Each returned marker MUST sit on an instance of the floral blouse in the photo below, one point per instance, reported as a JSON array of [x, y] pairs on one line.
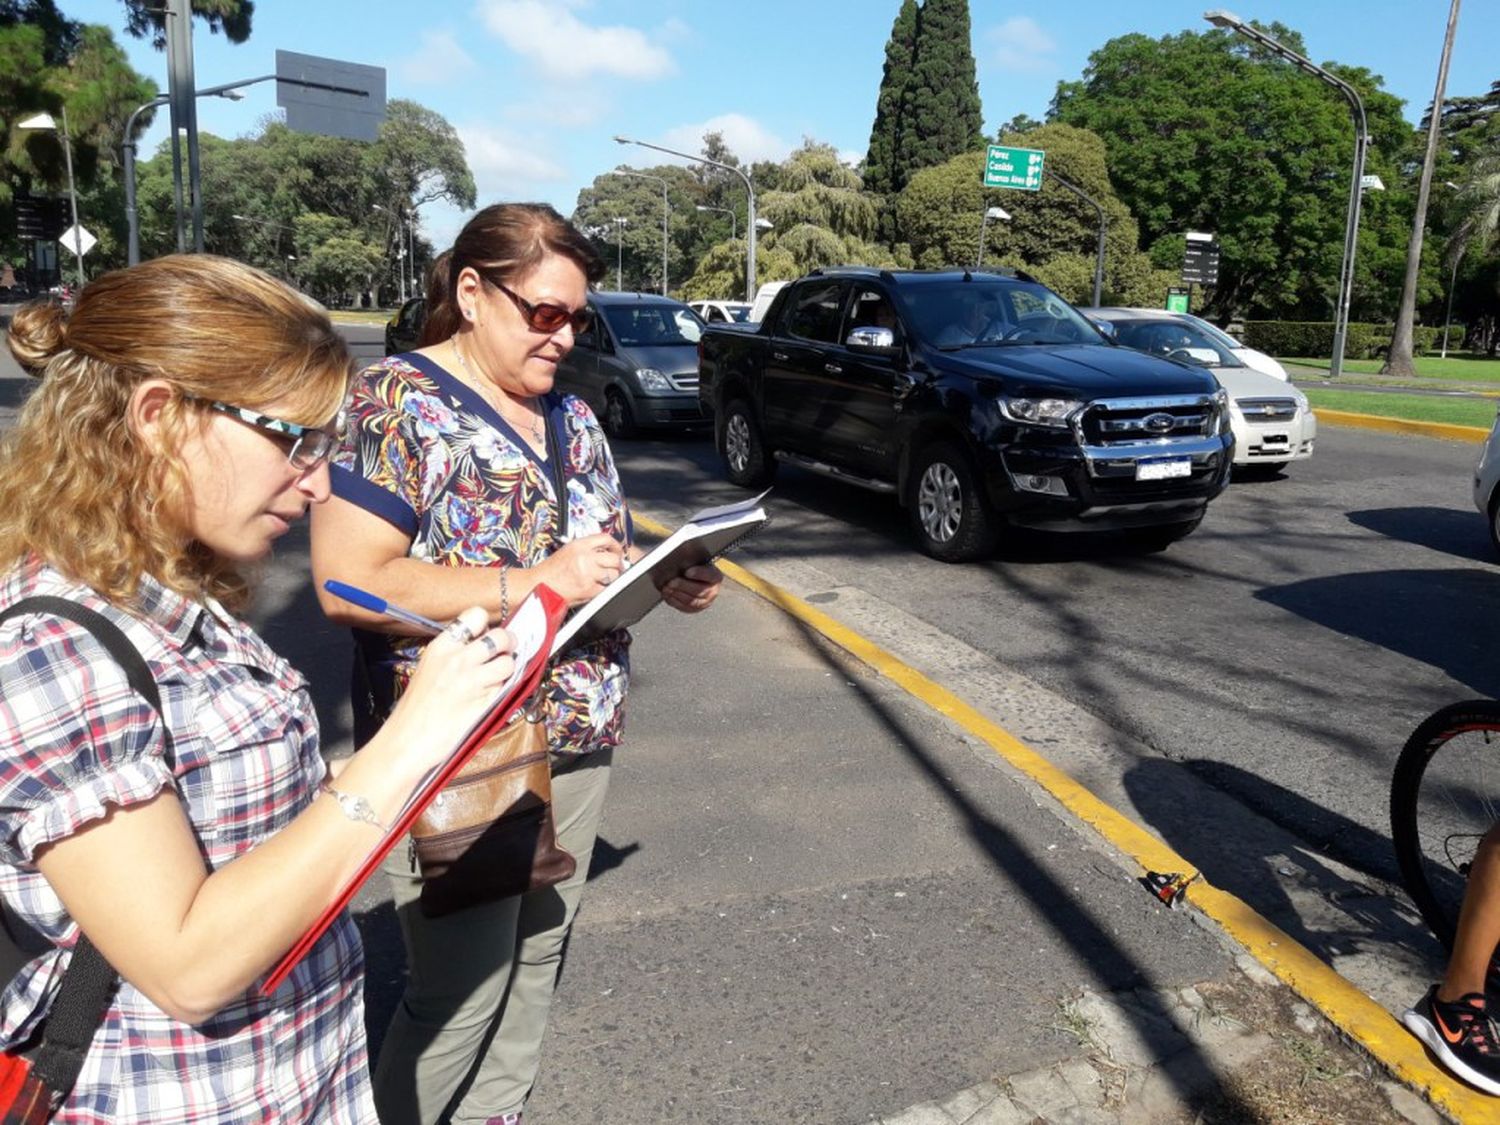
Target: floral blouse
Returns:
[[426, 453]]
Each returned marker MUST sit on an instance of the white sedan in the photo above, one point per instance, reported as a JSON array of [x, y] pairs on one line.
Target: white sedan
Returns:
[[1272, 421], [1487, 483]]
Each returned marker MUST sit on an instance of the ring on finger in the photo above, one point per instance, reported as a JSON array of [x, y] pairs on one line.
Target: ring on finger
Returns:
[[459, 631], [491, 649]]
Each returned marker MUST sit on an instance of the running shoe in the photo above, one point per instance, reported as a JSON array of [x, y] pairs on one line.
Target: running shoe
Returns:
[[1461, 1035]]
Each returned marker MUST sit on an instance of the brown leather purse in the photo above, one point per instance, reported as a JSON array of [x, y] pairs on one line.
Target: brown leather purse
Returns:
[[489, 833]]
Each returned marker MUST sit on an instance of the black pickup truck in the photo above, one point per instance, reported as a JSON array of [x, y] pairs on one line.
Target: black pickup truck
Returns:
[[979, 399]]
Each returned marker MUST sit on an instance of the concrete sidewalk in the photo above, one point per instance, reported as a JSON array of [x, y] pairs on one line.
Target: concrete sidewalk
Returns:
[[817, 900]]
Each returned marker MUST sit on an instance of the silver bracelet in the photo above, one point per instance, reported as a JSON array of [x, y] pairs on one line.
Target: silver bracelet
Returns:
[[504, 596], [352, 806]]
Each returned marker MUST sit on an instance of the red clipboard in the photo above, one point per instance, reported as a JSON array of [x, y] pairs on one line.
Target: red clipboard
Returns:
[[553, 607]]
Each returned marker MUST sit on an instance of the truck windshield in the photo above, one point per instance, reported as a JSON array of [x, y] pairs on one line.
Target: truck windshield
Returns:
[[654, 325], [989, 313]]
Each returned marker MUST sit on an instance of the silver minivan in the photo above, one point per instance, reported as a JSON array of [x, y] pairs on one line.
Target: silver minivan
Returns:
[[637, 365]]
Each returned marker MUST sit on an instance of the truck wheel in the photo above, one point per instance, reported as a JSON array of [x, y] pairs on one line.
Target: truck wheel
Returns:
[[747, 462], [619, 422], [950, 518], [1155, 539]]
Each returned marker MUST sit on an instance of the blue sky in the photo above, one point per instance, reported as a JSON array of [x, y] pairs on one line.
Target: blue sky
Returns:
[[536, 88]]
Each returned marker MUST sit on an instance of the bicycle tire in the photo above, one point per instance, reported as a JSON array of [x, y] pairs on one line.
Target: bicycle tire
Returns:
[[1445, 795]]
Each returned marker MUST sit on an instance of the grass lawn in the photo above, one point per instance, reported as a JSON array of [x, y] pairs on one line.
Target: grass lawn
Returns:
[[360, 316], [1417, 408], [1457, 369]]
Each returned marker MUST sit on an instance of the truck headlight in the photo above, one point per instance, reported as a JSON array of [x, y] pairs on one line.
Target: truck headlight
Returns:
[[1053, 412], [652, 380]]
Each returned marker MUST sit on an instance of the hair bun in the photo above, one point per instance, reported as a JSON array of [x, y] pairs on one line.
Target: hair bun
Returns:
[[38, 331]]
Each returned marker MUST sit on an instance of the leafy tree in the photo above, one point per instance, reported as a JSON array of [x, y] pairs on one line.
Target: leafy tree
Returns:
[[147, 19], [941, 111], [47, 64], [1020, 123], [1208, 132], [638, 200], [887, 133], [274, 180], [1049, 231], [820, 217], [813, 186]]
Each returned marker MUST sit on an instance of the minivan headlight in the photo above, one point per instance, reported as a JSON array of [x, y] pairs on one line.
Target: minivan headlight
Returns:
[[651, 379], [1039, 411]]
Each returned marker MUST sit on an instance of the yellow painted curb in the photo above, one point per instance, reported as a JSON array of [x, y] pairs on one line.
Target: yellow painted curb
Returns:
[[1401, 425], [1345, 1006]]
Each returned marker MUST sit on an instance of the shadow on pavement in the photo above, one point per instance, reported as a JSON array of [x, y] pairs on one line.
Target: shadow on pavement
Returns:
[[1071, 922], [1280, 884], [1458, 533], [1415, 613]]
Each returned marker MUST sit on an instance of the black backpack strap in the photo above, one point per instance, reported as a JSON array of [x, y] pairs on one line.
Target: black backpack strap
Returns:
[[89, 981]]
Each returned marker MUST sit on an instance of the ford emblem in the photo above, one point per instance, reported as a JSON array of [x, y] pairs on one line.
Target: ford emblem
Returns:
[[1159, 423]]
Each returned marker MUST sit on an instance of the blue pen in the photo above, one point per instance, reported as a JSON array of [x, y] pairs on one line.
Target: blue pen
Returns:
[[366, 600]]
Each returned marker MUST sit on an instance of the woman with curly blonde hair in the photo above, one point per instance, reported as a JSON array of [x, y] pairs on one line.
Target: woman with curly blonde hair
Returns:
[[182, 423]]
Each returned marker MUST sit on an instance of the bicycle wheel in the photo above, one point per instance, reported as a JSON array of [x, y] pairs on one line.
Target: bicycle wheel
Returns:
[[1445, 795]]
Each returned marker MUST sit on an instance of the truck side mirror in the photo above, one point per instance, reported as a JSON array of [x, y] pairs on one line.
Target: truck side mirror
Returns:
[[870, 338]]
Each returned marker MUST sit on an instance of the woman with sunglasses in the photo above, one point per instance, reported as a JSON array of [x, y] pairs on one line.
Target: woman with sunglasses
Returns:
[[464, 478], [182, 424]]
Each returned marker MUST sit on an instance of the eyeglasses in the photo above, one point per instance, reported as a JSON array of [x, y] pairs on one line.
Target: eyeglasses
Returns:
[[546, 317], [310, 446]]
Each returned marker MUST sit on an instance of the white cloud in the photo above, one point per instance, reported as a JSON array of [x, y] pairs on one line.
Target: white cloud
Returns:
[[1020, 44], [563, 46], [438, 59], [746, 138], [504, 164]]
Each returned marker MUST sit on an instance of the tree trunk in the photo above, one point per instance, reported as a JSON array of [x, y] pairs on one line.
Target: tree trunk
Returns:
[[1398, 360]]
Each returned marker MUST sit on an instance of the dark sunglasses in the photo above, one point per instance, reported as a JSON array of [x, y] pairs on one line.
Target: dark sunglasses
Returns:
[[546, 317]]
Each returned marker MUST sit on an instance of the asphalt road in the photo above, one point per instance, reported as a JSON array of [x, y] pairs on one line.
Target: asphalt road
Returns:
[[1243, 694]]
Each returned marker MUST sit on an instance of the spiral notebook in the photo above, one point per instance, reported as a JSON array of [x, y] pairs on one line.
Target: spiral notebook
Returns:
[[533, 627], [703, 538]]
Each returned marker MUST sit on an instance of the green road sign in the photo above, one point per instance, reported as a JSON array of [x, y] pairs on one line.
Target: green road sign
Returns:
[[1177, 300], [1013, 168]]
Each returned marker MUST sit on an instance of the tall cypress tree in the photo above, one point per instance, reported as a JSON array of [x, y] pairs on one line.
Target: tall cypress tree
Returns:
[[941, 115], [886, 133]]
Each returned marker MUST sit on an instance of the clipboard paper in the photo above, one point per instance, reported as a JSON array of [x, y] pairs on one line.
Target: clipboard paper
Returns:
[[534, 625], [703, 538]]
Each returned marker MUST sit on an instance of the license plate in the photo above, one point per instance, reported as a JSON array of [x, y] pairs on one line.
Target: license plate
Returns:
[[1164, 469], [1275, 439]]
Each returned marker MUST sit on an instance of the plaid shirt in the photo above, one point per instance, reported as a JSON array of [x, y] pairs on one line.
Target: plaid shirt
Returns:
[[244, 761]]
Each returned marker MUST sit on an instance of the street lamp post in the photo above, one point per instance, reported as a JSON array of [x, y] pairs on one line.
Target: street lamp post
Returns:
[[1231, 22], [750, 213], [620, 223], [999, 213], [1103, 229], [128, 145], [46, 121], [727, 210], [664, 213]]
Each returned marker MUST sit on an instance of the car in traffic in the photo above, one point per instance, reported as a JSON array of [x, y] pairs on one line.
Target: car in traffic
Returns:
[[637, 363], [1487, 483], [980, 401], [1273, 423], [1247, 355], [721, 312], [403, 332]]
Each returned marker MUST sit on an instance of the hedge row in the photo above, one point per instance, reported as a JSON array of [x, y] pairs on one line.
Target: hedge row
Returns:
[[1364, 341]]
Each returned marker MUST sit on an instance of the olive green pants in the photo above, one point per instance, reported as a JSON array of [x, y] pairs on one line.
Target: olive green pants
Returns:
[[466, 1040]]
